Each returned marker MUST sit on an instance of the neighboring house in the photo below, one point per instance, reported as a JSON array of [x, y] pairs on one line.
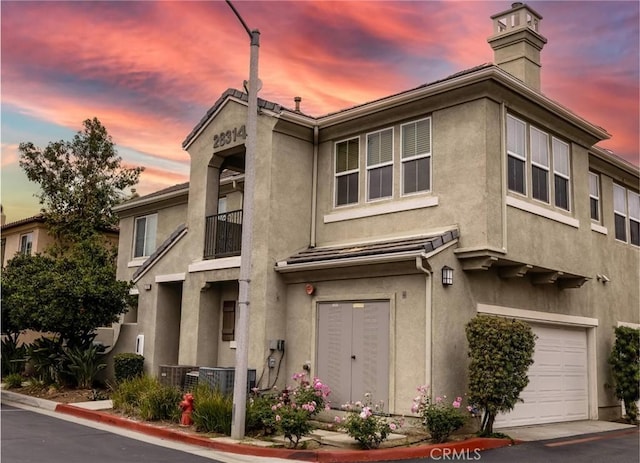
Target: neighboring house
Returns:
[[381, 230], [25, 236]]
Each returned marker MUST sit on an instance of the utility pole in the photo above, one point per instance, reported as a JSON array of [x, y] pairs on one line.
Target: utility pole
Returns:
[[242, 339]]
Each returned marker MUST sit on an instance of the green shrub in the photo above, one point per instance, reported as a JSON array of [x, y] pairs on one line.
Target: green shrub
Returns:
[[13, 355], [501, 351], [13, 380], [128, 394], [160, 403], [625, 368], [440, 417], [47, 357], [212, 410], [260, 416], [366, 424], [127, 365], [84, 364]]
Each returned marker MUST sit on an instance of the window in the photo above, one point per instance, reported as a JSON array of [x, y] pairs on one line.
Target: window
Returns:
[[594, 196], [561, 173], [547, 154], [228, 320], [634, 217], [416, 156], [26, 243], [380, 164], [626, 205], [539, 165], [516, 154], [145, 235], [347, 171]]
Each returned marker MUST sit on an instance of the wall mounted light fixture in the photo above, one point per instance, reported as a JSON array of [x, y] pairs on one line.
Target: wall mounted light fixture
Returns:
[[447, 276], [147, 286]]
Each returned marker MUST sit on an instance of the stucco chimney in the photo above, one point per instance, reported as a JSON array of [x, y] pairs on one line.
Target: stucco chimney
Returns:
[[517, 42], [3, 217]]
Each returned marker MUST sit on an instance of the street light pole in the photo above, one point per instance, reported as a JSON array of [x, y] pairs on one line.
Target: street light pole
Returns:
[[242, 339]]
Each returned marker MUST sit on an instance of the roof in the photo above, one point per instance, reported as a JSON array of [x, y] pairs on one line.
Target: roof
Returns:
[[159, 252], [229, 93], [399, 248], [38, 218]]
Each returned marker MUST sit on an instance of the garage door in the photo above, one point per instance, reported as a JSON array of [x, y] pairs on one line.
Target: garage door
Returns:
[[557, 389]]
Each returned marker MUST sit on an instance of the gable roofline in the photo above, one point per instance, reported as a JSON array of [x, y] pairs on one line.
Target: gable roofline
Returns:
[[157, 196], [611, 158], [38, 218]]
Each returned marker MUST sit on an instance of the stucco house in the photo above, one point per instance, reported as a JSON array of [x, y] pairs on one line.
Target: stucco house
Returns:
[[382, 229]]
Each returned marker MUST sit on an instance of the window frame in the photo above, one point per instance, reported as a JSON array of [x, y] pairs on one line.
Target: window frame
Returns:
[[416, 157], [558, 173], [146, 217], [544, 168], [380, 165], [621, 213], [345, 173], [26, 243], [518, 156], [596, 198]]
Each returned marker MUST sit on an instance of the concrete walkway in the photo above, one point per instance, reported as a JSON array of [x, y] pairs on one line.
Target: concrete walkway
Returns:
[[560, 430]]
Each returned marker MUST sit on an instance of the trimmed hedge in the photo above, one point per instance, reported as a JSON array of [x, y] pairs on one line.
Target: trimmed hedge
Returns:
[[128, 366]]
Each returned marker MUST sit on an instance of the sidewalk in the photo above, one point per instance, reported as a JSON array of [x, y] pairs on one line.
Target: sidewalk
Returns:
[[251, 447]]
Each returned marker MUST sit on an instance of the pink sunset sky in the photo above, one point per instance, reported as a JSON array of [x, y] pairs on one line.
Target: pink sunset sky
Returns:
[[150, 70]]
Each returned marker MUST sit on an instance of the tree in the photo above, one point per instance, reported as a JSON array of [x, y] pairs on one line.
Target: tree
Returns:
[[501, 351], [625, 367], [80, 181], [70, 295]]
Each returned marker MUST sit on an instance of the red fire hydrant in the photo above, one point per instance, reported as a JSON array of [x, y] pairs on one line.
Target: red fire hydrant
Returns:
[[187, 409]]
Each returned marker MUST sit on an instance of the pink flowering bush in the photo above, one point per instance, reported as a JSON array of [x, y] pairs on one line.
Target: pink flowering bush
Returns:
[[440, 417], [365, 424], [294, 408]]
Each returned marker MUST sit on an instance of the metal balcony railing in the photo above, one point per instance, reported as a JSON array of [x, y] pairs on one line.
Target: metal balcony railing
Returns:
[[223, 235]]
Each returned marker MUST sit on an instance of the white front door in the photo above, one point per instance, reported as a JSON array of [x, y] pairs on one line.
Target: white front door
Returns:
[[558, 386]]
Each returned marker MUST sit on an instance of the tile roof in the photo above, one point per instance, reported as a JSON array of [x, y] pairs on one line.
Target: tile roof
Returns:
[[420, 244], [34, 218]]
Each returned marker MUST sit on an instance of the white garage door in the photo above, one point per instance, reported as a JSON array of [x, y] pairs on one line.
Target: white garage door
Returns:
[[558, 387]]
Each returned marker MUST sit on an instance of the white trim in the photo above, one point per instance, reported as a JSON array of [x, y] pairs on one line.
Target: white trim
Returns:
[[629, 325], [134, 291], [534, 315], [379, 209], [541, 211], [170, 277], [136, 262], [215, 264], [599, 228]]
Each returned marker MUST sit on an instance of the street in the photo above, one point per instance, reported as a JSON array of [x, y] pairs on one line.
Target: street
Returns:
[[34, 437]]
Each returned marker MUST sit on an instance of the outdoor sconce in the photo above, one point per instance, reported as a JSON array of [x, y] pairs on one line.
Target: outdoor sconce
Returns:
[[447, 276], [147, 287]]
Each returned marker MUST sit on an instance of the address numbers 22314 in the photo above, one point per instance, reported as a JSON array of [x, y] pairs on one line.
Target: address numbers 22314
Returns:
[[230, 136]]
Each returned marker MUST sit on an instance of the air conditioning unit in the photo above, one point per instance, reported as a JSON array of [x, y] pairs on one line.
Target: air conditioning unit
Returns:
[[223, 378], [174, 375], [191, 381]]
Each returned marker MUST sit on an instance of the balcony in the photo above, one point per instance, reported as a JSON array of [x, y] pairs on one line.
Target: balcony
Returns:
[[223, 235]]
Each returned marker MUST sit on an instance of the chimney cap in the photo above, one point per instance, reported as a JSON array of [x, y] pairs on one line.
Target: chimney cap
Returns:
[[517, 4]]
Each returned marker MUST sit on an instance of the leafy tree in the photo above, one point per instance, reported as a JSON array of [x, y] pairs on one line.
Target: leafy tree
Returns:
[[80, 181], [501, 351], [70, 295], [625, 366]]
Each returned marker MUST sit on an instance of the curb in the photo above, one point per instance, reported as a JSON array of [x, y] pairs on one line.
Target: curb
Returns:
[[468, 448], [29, 400]]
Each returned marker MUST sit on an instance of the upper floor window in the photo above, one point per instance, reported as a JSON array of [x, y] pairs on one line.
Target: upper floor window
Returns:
[[380, 164], [547, 154], [626, 213], [416, 156], [517, 155], [347, 171], [145, 235], [26, 243], [594, 196]]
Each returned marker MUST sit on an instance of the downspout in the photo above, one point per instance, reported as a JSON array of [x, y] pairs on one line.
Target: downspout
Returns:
[[428, 328], [314, 188]]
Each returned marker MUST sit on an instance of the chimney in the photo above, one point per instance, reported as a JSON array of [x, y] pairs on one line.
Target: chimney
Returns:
[[297, 101], [3, 217], [517, 42]]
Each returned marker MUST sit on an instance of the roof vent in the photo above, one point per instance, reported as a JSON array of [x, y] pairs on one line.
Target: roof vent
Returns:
[[297, 100]]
